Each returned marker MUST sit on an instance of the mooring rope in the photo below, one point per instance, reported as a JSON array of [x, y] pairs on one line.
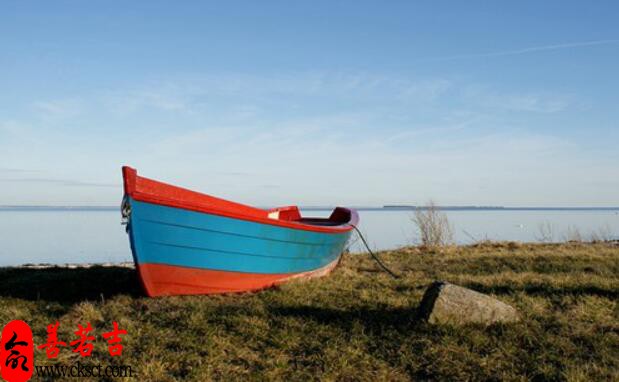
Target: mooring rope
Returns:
[[374, 256]]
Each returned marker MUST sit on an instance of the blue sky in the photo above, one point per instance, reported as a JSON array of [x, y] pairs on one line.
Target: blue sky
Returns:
[[315, 103]]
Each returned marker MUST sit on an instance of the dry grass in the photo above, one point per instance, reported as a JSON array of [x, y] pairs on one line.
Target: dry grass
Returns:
[[434, 228], [357, 324]]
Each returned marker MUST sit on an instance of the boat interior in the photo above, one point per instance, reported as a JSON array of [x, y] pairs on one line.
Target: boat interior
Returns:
[[339, 216]]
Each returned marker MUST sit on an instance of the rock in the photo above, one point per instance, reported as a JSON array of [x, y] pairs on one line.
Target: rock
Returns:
[[445, 303]]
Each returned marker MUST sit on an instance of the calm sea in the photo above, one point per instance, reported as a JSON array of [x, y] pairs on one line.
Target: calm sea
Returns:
[[88, 235]]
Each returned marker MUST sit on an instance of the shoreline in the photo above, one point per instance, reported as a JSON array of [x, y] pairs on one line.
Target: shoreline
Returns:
[[122, 264], [491, 243]]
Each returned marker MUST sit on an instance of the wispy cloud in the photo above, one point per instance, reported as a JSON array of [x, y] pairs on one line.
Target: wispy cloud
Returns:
[[528, 50], [536, 103], [308, 138], [164, 99], [437, 130], [232, 173], [60, 108], [339, 167], [62, 182], [532, 101], [249, 92], [16, 170]]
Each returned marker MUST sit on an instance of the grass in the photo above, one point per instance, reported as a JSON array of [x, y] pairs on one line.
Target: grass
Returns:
[[356, 324]]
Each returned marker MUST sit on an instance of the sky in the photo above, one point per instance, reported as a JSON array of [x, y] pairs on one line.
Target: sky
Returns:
[[312, 103]]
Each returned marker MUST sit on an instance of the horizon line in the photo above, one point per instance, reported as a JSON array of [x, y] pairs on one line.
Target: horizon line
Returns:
[[387, 207]]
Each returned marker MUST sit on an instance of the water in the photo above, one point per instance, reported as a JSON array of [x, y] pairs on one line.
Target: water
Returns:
[[79, 236]]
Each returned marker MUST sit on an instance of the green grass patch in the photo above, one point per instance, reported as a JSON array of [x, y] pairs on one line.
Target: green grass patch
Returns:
[[356, 324]]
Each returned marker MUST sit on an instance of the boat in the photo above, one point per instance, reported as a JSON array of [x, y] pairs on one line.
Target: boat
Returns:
[[185, 242]]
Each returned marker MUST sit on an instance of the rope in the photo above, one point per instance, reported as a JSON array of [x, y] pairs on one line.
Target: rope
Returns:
[[374, 256]]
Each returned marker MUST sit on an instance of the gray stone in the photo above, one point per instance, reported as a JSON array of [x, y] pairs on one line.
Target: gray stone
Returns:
[[445, 303]]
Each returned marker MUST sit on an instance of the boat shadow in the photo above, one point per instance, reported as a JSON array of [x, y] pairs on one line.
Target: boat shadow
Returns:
[[66, 285], [384, 328], [374, 319]]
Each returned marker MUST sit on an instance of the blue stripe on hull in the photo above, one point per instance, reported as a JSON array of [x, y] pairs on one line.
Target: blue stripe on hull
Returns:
[[167, 235]]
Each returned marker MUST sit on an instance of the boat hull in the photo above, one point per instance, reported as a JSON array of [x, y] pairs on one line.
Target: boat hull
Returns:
[[180, 251], [168, 280]]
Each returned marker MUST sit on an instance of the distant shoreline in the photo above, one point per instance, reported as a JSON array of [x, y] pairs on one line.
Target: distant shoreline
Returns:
[[327, 208]]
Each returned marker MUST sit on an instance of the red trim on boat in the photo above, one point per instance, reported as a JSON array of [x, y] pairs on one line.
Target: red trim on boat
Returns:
[[152, 191], [168, 280]]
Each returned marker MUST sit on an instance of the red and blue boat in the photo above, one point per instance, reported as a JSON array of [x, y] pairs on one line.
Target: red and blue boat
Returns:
[[186, 242]]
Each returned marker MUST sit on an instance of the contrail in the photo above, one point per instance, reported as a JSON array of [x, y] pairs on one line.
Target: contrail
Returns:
[[522, 51]]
